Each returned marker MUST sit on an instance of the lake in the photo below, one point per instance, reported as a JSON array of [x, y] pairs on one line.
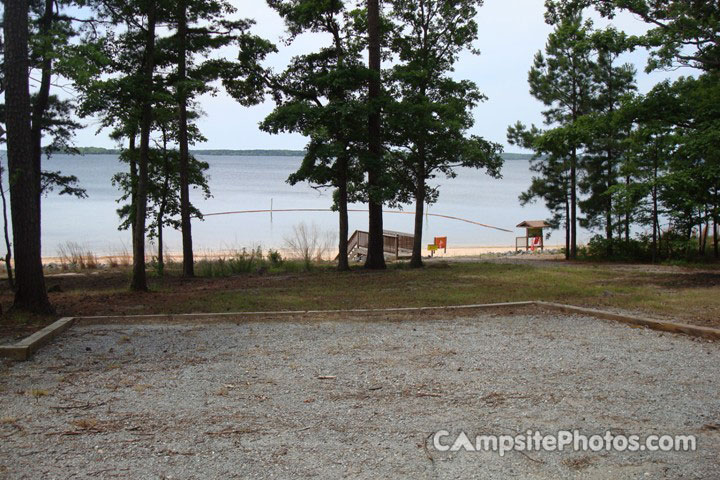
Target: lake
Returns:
[[253, 183]]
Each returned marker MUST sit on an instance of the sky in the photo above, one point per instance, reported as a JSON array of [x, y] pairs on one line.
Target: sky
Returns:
[[511, 32]]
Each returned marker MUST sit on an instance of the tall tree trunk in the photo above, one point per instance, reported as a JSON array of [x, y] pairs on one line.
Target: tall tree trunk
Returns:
[[132, 148], [161, 255], [40, 105], [610, 169], [716, 241], [160, 218], [344, 227], [31, 294], [139, 279], [567, 227], [656, 226], [8, 245], [609, 205], [376, 256], [573, 204], [420, 197], [627, 215], [185, 221]]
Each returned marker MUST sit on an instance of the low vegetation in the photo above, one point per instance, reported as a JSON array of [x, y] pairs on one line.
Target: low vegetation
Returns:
[[249, 261], [254, 282], [72, 256], [671, 247]]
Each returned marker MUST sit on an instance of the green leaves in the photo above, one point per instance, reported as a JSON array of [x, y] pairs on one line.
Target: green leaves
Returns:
[[321, 94], [428, 113]]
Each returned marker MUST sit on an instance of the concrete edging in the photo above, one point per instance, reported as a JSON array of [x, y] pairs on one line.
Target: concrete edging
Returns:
[[287, 313], [659, 325], [24, 349]]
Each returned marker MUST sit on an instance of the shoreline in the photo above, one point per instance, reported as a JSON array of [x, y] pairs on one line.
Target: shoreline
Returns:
[[200, 255]]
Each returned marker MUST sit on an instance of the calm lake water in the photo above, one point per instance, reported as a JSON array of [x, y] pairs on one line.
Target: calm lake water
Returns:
[[249, 183]]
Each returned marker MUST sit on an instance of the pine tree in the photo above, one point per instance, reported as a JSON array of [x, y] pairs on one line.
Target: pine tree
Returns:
[[322, 96], [203, 27], [552, 182], [30, 294], [164, 202], [428, 119], [561, 78], [606, 129], [375, 155]]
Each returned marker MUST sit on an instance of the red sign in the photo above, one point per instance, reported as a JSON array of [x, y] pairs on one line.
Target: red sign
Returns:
[[441, 242]]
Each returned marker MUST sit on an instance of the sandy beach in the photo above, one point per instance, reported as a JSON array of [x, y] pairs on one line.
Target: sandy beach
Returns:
[[125, 258]]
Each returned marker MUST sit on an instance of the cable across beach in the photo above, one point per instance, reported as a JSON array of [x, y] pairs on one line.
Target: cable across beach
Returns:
[[316, 210]]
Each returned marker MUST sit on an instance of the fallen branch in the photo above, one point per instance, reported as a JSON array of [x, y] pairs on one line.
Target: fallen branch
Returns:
[[81, 407], [427, 394], [529, 457], [234, 432]]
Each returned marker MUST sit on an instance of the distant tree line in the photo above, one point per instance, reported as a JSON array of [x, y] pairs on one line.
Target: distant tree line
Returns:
[[214, 152], [611, 159]]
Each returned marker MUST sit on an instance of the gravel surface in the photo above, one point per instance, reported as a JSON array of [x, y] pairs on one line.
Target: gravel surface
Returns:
[[356, 398]]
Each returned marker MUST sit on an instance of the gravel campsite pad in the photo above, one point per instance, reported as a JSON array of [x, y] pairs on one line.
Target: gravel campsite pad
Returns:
[[359, 398]]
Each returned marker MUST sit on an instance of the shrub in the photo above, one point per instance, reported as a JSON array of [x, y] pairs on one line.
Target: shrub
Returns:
[[73, 256], [242, 261], [309, 244], [274, 258], [671, 246]]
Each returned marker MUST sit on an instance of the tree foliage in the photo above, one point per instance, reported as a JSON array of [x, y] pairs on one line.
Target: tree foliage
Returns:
[[429, 113]]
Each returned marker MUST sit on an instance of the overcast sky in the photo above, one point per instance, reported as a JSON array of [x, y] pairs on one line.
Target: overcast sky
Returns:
[[511, 32]]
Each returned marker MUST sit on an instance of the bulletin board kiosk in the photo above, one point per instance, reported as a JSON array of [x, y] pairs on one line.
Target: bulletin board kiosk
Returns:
[[534, 238]]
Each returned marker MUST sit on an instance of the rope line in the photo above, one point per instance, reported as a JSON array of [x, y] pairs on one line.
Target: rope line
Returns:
[[396, 212]]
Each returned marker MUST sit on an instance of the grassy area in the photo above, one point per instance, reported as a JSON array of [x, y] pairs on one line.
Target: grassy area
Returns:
[[694, 297], [686, 294]]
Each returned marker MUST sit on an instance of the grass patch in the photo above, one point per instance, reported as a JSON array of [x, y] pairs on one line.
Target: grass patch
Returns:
[[251, 281], [457, 284], [253, 261]]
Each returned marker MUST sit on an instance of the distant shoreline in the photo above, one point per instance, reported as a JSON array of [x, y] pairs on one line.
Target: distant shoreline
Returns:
[[217, 152], [85, 151]]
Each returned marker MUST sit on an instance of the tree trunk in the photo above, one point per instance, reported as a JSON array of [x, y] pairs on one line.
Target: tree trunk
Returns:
[[133, 185], [185, 221], [160, 219], [656, 226], [627, 216], [139, 279], [31, 294], [567, 227], [609, 205], [8, 245], [161, 256], [344, 228], [573, 204], [40, 105], [715, 227], [420, 190], [610, 159], [376, 256]]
